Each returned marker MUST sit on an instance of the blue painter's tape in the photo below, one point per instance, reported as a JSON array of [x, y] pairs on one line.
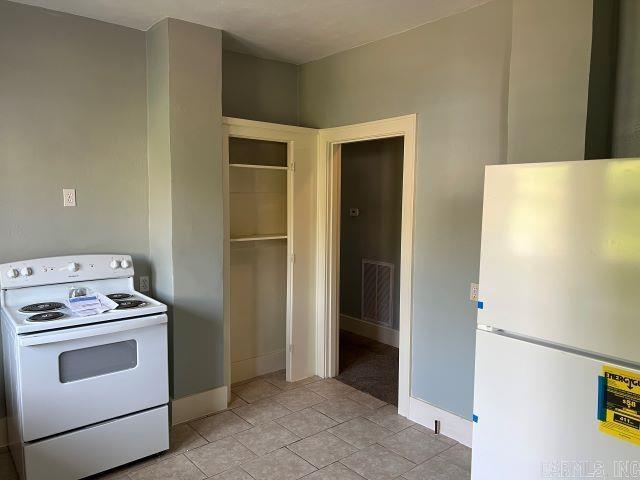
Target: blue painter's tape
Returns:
[[480, 305], [602, 399], [475, 418]]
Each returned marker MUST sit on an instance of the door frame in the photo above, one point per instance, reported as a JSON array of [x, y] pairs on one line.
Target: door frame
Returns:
[[296, 138], [328, 242]]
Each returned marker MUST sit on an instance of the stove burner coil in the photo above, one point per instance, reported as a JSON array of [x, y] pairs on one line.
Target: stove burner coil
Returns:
[[45, 317], [124, 304], [42, 307], [119, 296]]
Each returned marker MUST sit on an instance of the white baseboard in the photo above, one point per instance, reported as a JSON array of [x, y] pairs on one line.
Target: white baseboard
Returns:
[[254, 367], [452, 426], [4, 437], [198, 405], [382, 334]]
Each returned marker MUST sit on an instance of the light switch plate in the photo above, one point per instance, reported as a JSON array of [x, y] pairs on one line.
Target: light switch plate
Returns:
[[473, 292], [144, 284], [69, 197]]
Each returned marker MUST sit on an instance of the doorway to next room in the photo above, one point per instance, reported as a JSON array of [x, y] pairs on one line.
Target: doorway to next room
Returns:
[[371, 175]]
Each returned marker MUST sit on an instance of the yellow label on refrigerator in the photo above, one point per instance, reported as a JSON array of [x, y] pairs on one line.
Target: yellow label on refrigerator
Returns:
[[619, 404]]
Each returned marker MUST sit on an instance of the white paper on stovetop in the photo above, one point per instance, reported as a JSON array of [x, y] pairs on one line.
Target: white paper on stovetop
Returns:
[[90, 304]]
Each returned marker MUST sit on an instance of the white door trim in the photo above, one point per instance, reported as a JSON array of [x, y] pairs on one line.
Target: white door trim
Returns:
[[294, 137], [328, 171]]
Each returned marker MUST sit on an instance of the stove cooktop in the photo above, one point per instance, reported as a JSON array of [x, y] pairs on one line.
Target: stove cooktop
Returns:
[[33, 314], [47, 311]]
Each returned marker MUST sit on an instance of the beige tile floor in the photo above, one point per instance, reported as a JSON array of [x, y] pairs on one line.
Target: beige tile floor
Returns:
[[313, 429]]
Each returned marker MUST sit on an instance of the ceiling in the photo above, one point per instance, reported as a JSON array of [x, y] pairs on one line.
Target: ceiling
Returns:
[[296, 31]]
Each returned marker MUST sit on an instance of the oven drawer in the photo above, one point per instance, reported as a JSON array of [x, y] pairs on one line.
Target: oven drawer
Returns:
[[98, 448], [77, 377]]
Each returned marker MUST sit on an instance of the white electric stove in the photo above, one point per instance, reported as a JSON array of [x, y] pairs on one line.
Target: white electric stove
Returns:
[[84, 393]]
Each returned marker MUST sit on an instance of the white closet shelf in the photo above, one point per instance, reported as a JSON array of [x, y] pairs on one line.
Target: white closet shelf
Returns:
[[259, 167], [254, 238]]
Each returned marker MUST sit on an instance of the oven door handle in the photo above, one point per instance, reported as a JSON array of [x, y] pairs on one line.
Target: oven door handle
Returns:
[[70, 334]]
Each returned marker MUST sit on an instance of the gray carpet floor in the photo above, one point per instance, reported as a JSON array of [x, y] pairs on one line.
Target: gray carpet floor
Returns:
[[369, 366]]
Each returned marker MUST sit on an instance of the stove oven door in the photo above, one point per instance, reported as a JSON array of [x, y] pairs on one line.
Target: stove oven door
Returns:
[[76, 377]]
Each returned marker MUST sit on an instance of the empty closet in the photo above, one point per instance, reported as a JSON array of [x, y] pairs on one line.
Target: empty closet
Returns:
[[270, 260]]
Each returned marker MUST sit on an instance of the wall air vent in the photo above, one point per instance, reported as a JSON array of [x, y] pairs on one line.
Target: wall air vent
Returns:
[[377, 292]]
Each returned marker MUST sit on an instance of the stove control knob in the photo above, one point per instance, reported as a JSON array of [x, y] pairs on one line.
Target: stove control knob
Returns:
[[73, 267], [12, 273], [26, 272], [125, 263], [115, 264]]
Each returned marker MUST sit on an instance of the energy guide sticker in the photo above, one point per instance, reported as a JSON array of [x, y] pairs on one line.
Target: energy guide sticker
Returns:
[[619, 404]]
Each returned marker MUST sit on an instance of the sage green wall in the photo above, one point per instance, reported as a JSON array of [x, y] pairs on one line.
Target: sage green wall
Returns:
[[602, 77], [372, 182], [549, 80], [73, 109], [72, 114], [259, 89], [626, 122], [196, 161], [159, 151], [185, 175], [159, 158], [454, 74]]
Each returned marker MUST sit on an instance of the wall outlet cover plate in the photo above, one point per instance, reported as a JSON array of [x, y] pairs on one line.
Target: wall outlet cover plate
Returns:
[[473, 292], [69, 197], [144, 284]]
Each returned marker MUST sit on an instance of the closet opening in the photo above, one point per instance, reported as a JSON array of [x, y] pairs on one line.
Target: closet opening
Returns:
[[370, 227], [258, 256]]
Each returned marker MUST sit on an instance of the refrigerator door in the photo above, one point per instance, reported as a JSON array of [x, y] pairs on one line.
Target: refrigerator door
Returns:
[[536, 411], [561, 254]]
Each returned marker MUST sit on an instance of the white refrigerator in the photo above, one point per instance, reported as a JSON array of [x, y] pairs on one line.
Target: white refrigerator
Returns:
[[557, 375]]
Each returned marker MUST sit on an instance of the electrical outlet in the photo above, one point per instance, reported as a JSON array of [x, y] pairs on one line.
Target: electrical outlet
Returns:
[[144, 284], [69, 197], [473, 292], [354, 212]]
